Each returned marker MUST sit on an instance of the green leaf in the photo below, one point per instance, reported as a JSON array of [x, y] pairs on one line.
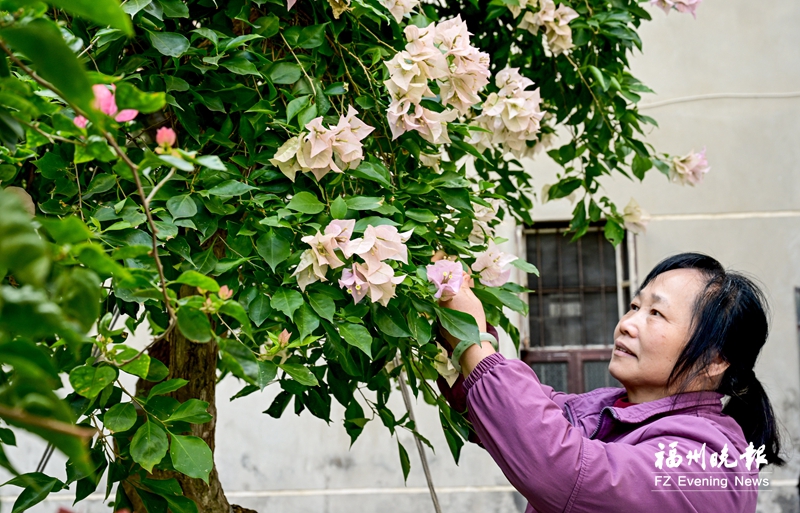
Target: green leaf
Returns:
[[193, 411], [195, 279], [322, 304], [564, 188], [240, 66], [101, 183], [614, 232], [191, 456], [120, 417], [36, 493], [420, 327], [306, 320], [423, 215], [273, 248], [339, 208], [267, 26], [405, 463], [391, 322], [128, 96], [230, 188], [69, 230], [285, 73], [235, 310], [102, 12], [167, 387], [286, 301], [169, 43], [525, 266], [149, 445], [259, 309], [306, 203], [300, 373], [181, 206], [311, 36], [373, 171], [599, 77], [194, 324], [458, 198], [295, 106], [42, 43], [267, 371], [358, 336], [89, 381], [640, 166], [364, 202], [459, 324]]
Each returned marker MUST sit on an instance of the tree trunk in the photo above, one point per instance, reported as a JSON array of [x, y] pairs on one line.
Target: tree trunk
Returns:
[[196, 363]]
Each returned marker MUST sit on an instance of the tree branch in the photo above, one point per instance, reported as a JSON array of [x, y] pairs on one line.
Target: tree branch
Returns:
[[21, 416]]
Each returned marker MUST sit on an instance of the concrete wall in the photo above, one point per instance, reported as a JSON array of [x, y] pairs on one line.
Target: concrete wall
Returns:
[[746, 214]]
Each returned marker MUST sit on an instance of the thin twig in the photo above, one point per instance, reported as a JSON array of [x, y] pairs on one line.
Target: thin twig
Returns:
[[409, 407], [313, 90], [589, 87], [21, 416], [50, 137], [160, 184]]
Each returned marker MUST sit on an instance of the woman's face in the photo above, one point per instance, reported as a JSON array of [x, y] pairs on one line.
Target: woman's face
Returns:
[[650, 337]]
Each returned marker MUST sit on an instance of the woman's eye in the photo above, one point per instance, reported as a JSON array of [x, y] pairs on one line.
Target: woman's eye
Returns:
[[656, 312], [634, 307]]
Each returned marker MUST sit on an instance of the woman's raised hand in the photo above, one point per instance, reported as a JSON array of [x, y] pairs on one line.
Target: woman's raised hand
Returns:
[[465, 301]]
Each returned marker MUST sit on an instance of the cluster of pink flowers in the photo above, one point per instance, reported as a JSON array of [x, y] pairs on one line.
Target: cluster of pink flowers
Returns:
[[555, 23], [690, 168], [105, 102], [493, 266], [511, 116], [440, 52], [322, 150], [689, 6], [399, 8], [373, 277]]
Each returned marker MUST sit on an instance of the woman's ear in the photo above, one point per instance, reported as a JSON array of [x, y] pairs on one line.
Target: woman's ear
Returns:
[[716, 369]]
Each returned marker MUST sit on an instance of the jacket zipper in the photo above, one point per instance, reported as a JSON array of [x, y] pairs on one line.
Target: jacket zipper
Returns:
[[600, 423]]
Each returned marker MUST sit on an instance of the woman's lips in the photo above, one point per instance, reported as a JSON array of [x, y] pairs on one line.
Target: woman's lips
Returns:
[[622, 350]]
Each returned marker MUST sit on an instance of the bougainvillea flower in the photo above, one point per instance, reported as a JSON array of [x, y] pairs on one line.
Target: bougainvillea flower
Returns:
[[492, 265], [105, 101], [283, 338], [399, 8], [290, 4], [689, 6], [381, 281], [285, 158], [380, 243], [341, 230], [445, 367], [354, 283], [309, 270], [559, 35], [80, 121], [447, 276], [690, 168], [323, 248], [635, 217], [166, 137]]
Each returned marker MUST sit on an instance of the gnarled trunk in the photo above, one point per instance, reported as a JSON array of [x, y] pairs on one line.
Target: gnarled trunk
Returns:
[[196, 363]]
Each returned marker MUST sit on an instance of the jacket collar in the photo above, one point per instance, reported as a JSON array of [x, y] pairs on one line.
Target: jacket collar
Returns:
[[586, 410]]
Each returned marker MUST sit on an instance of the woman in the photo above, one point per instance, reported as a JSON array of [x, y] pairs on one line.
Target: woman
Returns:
[[692, 335]]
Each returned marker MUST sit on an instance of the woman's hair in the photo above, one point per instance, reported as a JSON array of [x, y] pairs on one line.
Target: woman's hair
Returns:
[[730, 320]]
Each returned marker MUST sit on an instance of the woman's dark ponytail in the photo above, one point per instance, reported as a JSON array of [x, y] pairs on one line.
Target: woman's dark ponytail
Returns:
[[730, 323], [750, 408]]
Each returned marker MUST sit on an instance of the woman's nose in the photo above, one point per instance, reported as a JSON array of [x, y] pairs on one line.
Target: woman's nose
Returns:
[[627, 325]]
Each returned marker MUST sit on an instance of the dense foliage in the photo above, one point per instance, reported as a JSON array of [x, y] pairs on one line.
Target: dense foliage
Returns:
[[273, 180]]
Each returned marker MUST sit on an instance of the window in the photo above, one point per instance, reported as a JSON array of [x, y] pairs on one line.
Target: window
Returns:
[[582, 291]]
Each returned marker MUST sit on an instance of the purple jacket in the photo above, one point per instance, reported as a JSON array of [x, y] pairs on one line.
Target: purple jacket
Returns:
[[578, 453]]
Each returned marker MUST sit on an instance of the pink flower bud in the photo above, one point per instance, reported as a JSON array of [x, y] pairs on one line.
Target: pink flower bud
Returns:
[[225, 292], [283, 338], [166, 137], [80, 121]]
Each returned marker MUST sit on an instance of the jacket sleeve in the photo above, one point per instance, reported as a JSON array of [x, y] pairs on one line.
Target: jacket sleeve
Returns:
[[555, 467]]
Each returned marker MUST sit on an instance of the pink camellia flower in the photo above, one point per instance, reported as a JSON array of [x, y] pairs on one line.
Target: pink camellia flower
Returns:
[[166, 137], [225, 292], [105, 101], [689, 168], [284, 337], [492, 264], [447, 276], [309, 270], [80, 121], [355, 283]]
